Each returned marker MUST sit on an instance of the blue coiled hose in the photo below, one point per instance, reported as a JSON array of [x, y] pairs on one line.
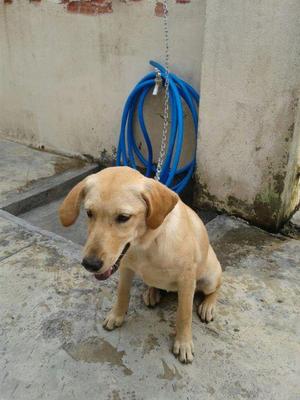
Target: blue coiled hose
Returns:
[[172, 176]]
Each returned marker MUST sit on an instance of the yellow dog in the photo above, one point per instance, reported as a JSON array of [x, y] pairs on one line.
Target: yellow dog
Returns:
[[144, 227]]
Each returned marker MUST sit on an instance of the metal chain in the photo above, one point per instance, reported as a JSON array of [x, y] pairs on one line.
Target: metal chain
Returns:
[[162, 152]]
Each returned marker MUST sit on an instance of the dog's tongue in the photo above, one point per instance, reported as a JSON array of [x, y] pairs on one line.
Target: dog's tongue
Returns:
[[105, 275]]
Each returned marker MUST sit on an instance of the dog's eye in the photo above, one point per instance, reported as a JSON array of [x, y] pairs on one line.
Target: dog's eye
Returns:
[[89, 213], [121, 218]]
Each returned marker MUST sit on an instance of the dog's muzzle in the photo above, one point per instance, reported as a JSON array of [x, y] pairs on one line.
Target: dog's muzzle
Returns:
[[113, 268]]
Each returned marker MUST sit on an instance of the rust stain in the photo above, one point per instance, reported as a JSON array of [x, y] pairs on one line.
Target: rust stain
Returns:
[[159, 9], [89, 7]]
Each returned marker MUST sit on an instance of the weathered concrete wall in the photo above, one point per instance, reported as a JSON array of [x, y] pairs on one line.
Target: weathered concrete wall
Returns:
[[248, 153], [291, 194], [65, 75], [66, 70]]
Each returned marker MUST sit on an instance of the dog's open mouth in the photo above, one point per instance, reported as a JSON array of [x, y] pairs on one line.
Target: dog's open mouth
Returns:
[[114, 268]]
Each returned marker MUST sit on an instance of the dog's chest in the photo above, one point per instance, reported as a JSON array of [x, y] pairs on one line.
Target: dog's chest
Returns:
[[156, 271]]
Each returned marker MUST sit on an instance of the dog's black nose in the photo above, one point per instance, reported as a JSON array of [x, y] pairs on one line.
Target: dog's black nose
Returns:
[[92, 264]]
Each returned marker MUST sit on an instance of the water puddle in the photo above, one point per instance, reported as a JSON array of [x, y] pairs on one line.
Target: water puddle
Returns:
[[97, 350]]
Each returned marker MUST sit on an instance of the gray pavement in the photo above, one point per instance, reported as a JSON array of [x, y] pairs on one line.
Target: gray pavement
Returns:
[[53, 346]]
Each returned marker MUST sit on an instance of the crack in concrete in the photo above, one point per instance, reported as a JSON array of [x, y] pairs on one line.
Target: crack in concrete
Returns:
[[16, 252]]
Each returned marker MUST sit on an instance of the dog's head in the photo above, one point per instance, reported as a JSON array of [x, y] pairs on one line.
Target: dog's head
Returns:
[[121, 205]]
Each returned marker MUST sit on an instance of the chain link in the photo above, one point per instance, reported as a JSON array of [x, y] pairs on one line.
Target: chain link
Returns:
[[162, 152]]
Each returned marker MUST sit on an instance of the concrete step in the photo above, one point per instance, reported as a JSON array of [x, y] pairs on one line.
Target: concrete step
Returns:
[[46, 217], [30, 178]]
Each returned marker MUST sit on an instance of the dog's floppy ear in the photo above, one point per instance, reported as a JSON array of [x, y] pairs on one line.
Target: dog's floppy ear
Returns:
[[160, 201], [69, 209]]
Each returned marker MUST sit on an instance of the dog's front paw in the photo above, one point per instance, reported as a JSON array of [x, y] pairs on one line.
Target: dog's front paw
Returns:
[[184, 349], [113, 321], [151, 296]]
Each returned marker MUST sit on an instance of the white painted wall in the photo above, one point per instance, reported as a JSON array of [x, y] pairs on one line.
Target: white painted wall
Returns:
[[65, 77]]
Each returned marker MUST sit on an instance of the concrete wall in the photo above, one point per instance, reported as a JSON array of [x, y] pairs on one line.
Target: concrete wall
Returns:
[[65, 75], [248, 150]]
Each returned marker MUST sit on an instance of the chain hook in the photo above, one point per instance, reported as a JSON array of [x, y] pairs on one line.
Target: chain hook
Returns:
[[158, 82]]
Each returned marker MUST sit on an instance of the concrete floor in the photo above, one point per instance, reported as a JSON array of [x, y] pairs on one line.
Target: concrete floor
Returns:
[[22, 167], [53, 346]]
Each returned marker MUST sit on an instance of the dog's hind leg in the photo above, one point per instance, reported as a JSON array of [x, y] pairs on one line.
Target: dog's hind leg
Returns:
[[151, 296], [209, 285]]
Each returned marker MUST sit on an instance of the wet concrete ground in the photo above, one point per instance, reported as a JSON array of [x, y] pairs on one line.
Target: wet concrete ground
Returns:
[[53, 345]]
